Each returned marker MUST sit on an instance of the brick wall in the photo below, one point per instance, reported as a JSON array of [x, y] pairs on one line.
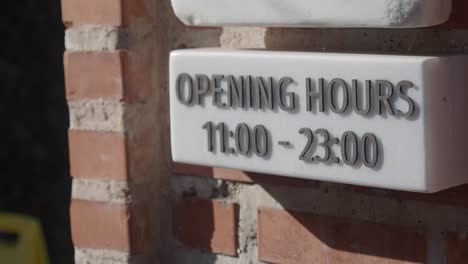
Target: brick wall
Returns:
[[131, 205], [280, 220], [118, 123]]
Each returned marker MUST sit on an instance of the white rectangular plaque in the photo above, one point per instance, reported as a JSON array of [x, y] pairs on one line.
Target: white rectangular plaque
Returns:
[[390, 121], [313, 13]]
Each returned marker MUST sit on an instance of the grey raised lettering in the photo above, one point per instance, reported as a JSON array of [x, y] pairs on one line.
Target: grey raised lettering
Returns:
[[284, 96], [312, 95], [217, 90], [367, 102], [202, 87], [264, 92], [334, 85], [384, 94], [184, 80], [235, 91], [402, 88]]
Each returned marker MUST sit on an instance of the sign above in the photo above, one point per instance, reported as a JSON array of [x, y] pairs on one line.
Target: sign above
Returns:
[[314, 13], [388, 121]]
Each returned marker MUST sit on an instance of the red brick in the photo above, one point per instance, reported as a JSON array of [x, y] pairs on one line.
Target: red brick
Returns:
[[93, 75], [456, 196], [112, 75], [141, 12], [206, 225], [240, 176], [109, 226], [107, 12], [146, 156], [457, 249], [97, 154], [294, 238], [141, 72], [102, 12], [193, 170]]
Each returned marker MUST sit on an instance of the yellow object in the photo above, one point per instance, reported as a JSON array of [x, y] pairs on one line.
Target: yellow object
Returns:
[[21, 240]]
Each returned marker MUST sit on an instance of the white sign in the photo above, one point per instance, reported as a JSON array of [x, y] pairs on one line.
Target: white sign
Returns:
[[313, 13], [396, 122]]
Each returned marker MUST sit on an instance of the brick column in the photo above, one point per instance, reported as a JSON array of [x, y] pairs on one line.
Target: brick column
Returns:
[[115, 69]]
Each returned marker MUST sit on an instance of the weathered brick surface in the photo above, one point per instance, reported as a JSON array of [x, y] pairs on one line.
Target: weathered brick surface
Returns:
[[140, 12], [140, 77], [97, 154], [206, 225], [107, 12], [102, 12], [143, 153], [194, 170], [456, 196], [93, 75], [240, 176], [459, 19], [293, 238], [111, 79], [126, 12], [457, 249], [117, 75], [109, 226]]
